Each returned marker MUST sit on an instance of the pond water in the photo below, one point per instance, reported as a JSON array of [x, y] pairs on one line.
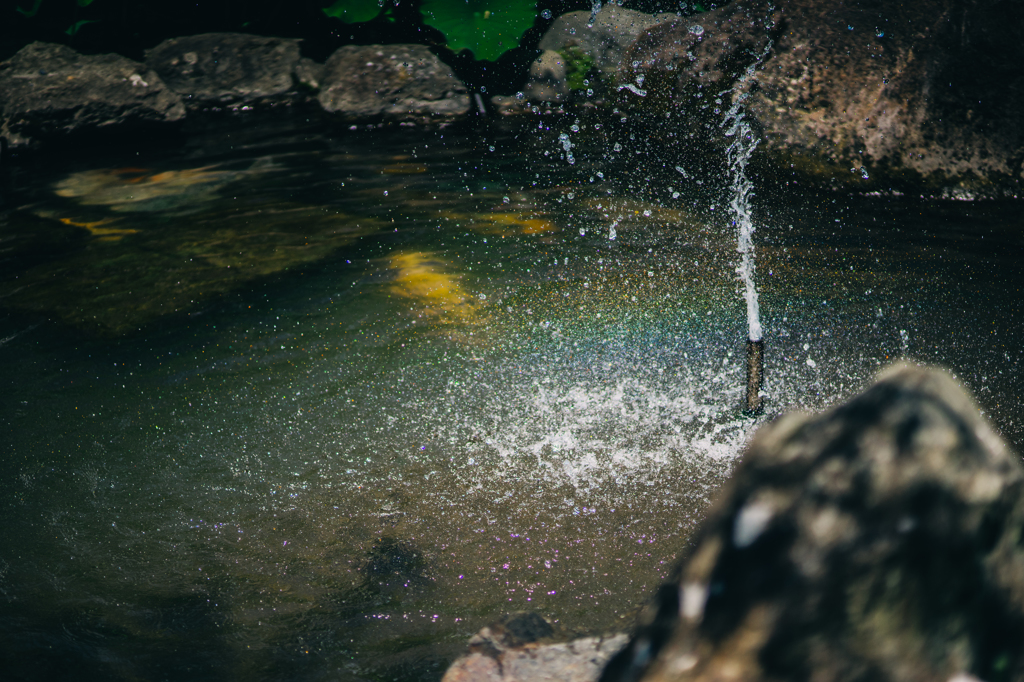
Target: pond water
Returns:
[[321, 406]]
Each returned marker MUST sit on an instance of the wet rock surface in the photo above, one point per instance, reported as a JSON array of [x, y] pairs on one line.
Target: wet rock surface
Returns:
[[605, 41], [518, 648], [682, 66], [391, 83], [547, 81], [881, 540], [928, 89], [48, 89], [214, 69]]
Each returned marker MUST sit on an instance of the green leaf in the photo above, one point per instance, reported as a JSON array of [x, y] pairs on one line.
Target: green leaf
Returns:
[[487, 28], [29, 13], [75, 27], [354, 11]]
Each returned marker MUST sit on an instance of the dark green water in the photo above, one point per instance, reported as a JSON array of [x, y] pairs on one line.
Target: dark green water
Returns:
[[319, 408]]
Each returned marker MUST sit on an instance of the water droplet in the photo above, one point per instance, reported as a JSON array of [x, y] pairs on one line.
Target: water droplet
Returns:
[[504, 200], [483, 89], [878, 33], [697, 30], [807, 346], [617, 147], [575, 128], [482, 297], [546, 14], [647, 212], [385, 192], [849, 28]]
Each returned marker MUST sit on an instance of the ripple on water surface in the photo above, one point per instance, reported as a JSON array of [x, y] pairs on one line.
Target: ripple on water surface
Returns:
[[371, 398]]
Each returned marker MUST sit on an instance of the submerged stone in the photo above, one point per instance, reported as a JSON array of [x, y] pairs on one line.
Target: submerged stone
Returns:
[[518, 648], [48, 89]]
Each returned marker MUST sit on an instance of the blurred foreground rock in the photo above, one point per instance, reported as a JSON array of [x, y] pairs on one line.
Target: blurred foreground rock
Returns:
[[48, 90], [879, 541], [883, 540], [928, 90], [518, 649]]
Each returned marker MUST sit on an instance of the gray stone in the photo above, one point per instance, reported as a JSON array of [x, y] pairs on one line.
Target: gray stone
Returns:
[[879, 541], [48, 89], [218, 69], [393, 83], [614, 29], [308, 74], [518, 649], [547, 79]]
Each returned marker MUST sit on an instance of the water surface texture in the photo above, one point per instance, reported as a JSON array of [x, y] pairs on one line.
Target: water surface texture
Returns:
[[318, 408]]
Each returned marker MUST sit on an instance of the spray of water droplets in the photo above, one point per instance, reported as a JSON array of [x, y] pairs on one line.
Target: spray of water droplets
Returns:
[[743, 144]]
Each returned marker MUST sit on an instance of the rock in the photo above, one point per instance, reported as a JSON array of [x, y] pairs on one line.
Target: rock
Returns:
[[507, 106], [939, 93], [605, 42], [928, 90], [881, 540], [218, 69], [514, 650], [547, 79], [395, 83], [48, 89], [685, 63], [308, 74]]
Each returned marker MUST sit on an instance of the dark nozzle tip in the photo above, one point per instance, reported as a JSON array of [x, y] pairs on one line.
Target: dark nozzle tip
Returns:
[[754, 404]]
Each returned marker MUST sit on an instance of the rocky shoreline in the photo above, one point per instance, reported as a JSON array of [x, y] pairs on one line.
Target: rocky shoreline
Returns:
[[927, 94]]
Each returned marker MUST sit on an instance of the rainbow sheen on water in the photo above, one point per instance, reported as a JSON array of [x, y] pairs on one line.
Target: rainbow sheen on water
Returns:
[[263, 420]]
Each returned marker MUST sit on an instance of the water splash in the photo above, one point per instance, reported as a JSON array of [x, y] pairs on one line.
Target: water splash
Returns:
[[740, 149], [738, 154]]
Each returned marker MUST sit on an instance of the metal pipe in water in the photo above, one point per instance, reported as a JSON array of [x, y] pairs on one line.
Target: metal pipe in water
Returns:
[[755, 376]]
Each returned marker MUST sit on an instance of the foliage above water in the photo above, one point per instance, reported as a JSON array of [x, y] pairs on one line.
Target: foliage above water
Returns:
[[487, 28], [354, 11], [578, 66]]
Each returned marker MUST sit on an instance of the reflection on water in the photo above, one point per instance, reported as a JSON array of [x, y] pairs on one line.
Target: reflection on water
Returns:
[[337, 404], [423, 279], [143, 190]]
